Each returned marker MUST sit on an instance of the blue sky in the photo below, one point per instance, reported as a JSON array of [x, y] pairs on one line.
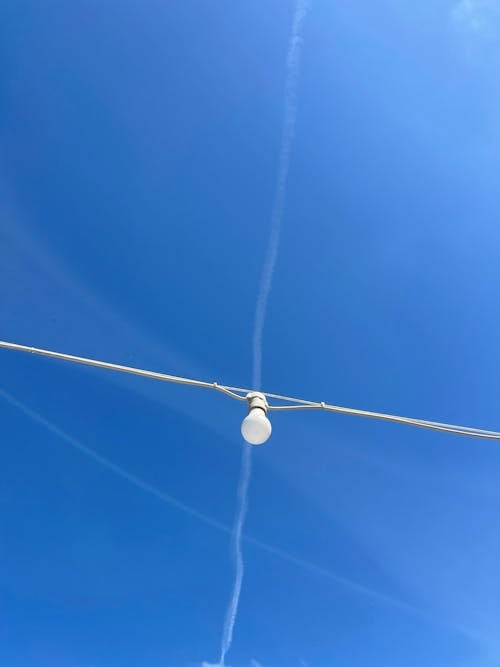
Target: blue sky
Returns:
[[139, 147]]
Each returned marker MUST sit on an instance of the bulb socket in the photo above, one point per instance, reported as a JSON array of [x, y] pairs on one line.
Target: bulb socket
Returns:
[[256, 400]]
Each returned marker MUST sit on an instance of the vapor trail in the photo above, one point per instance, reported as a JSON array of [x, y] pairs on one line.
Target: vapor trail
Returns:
[[287, 137], [239, 567], [118, 470], [288, 132], [177, 504], [349, 584]]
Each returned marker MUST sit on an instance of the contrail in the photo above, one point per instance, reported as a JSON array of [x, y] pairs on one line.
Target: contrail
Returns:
[[239, 568], [349, 584], [121, 472], [288, 133]]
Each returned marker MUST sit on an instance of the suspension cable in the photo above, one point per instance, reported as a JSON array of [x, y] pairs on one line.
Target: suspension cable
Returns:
[[240, 393]]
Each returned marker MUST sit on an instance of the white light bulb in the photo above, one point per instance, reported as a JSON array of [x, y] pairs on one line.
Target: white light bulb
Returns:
[[256, 427]]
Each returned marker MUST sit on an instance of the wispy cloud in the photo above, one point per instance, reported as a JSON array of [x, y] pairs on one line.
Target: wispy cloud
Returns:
[[479, 17], [253, 663]]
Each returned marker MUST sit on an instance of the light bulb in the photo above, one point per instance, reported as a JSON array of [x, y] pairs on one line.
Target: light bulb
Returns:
[[256, 427]]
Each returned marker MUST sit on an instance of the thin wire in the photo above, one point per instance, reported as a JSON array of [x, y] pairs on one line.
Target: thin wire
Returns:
[[239, 394], [463, 430]]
